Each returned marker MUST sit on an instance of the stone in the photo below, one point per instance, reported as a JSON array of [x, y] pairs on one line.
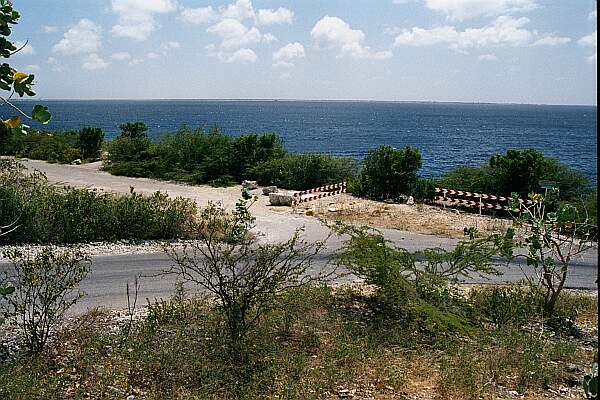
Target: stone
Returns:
[[281, 199], [76, 161], [269, 189], [250, 185], [410, 201]]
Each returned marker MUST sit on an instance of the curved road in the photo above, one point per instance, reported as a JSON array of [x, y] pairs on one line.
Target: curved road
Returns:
[[106, 284]]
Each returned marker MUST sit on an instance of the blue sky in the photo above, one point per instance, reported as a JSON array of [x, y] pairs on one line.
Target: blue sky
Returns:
[[518, 51]]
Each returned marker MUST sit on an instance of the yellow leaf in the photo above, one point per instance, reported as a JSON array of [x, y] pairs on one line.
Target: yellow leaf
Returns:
[[12, 122], [19, 76]]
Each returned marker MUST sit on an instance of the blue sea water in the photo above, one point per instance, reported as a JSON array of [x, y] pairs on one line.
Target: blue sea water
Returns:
[[448, 134]]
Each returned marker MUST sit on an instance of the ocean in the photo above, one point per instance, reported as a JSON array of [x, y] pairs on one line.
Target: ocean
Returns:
[[448, 134]]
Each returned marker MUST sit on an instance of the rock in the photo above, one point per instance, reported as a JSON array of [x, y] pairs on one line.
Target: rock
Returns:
[[250, 185], [76, 161], [410, 201], [309, 213], [269, 189], [513, 393], [130, 397], [332, 209], [281, 199]]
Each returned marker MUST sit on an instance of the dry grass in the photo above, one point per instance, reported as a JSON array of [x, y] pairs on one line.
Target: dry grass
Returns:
[[419, 218]]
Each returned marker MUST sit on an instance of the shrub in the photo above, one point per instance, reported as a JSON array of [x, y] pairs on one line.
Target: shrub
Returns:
[[46, 286], [511, 305], [244, 274], [50, 214], [303, 171], [413, 286], [517, 171], [90, 141], [133, 130], [387, 173]]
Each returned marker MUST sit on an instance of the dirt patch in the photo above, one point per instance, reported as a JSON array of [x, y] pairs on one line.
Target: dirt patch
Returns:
[[419, 218]]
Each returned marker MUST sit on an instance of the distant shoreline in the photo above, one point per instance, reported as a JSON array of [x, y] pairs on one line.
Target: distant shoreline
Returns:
[[312, 101]]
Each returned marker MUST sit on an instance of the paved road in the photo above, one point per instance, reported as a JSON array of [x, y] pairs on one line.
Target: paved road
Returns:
[[106, 284]]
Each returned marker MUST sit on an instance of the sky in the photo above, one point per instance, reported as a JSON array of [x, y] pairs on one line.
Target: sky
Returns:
[[501, 51]]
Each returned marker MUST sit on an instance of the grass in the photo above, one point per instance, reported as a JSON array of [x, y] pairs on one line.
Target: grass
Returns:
[[316, 343]]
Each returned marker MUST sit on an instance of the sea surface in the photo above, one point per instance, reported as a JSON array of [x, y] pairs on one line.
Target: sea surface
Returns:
[[448, 134]]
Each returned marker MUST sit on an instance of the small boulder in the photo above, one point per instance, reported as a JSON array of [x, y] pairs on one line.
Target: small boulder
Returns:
[[76, 161], [281, 199], [250, 185], [269, 189], [410, 201]]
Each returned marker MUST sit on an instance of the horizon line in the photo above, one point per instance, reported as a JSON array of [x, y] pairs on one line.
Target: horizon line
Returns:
[[307, 100]]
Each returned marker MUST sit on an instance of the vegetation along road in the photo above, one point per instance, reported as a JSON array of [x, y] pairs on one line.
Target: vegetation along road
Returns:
[[106, 285]]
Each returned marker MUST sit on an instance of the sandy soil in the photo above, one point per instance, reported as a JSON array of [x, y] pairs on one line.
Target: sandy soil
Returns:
[[418, 218]]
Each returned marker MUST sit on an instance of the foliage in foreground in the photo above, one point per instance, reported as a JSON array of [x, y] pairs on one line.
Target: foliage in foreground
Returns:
[[245, 275], [46, 286], [316, 343], [43, 213]]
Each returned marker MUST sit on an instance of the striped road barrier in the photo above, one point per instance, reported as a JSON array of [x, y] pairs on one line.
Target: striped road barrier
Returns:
[[319, 193], [452, 197]]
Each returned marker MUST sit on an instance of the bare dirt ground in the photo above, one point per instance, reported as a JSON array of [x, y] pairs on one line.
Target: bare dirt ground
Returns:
[[418, 218]]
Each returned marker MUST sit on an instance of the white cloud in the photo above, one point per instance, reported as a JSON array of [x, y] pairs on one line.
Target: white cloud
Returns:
[[590, 41], [460, 10], [49, 29], [80, 39], [285, 56], [285, 75], [271, 17], [198, 16], [335, 33], [487, 57], [94, 62], [234, 34], [242, 56], [170, 45], [31, 68], [135, 62], [136, 17], [121, 56], [24, 49], [240, 10], [152, 56], [269, 38], [52, 61], [550, 40], [505, 31]]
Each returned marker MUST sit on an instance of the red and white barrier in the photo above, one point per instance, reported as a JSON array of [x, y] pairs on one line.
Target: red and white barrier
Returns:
[[448, 197], [319, 193]]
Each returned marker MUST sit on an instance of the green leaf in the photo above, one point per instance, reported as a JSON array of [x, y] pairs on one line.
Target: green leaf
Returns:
[[41, 114], [5, 291]]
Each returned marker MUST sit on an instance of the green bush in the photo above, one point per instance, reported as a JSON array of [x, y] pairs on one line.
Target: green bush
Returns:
[[387, 173], [511, 305], [90, 141], [133, 130], [303, 171], [60, 146], [191, 155], [517, 171], [50, 214]]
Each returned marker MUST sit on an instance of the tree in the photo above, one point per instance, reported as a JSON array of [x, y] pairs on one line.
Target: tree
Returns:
[[46, 286], [134, 130], [552, 240], [90, 141], [14, 81], [387, 173], [244, 274]]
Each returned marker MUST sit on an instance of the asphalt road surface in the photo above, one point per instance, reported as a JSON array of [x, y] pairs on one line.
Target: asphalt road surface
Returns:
[[106, 284]]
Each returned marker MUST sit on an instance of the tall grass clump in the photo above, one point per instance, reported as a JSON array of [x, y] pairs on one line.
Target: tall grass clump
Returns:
[[304, 171], [44, 213]]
